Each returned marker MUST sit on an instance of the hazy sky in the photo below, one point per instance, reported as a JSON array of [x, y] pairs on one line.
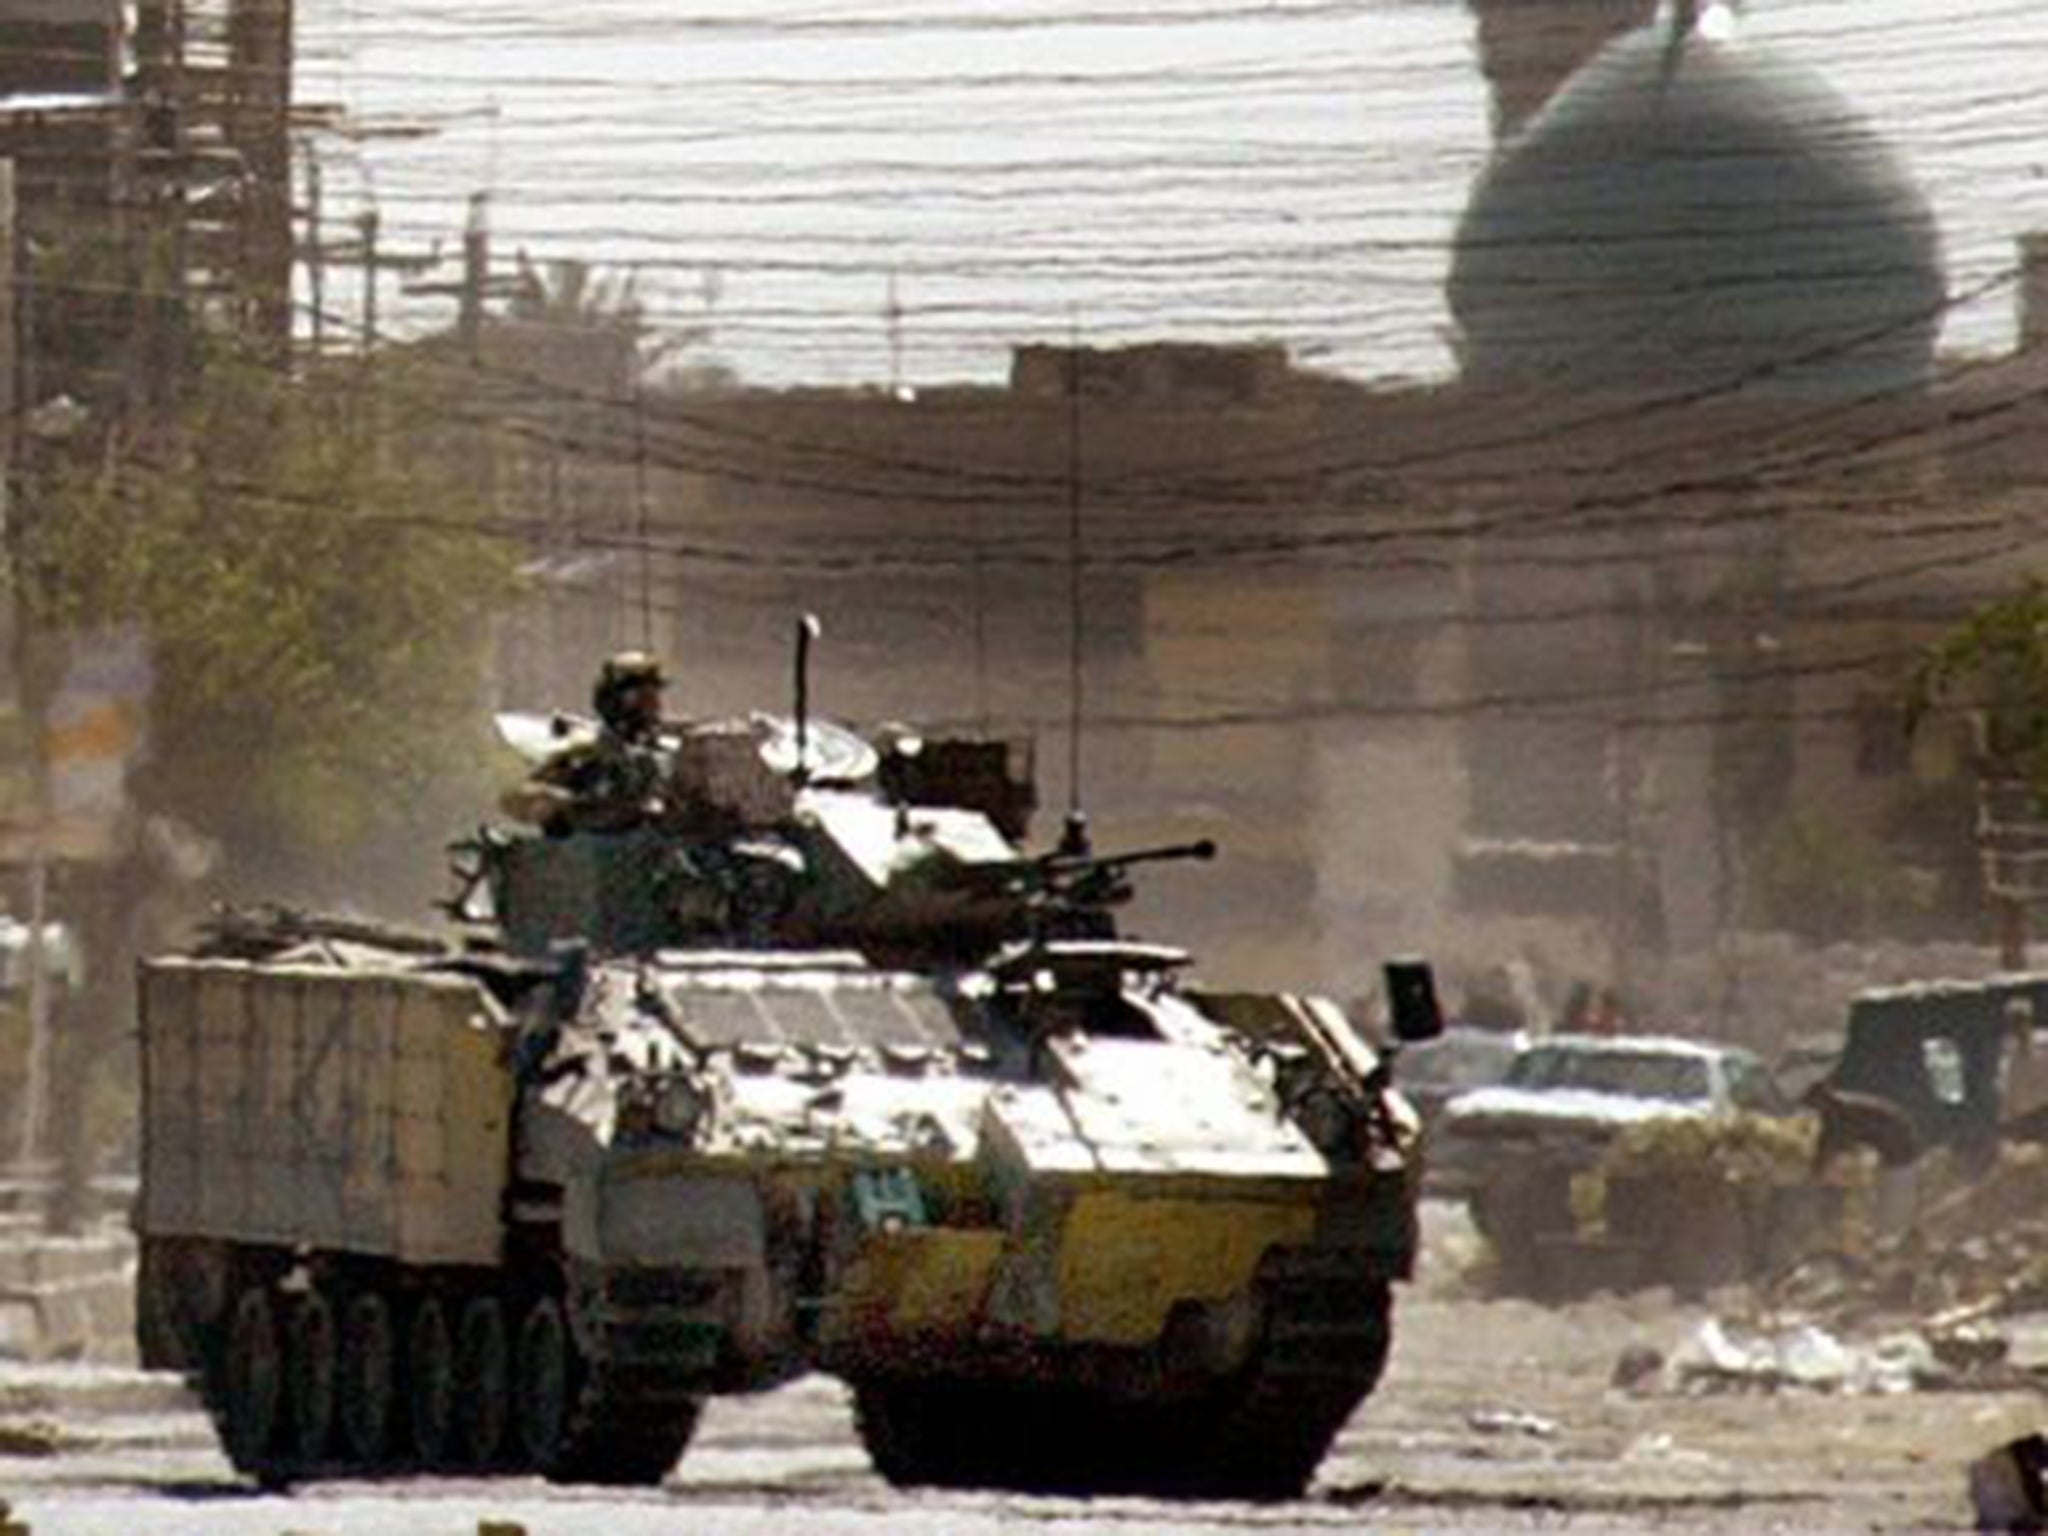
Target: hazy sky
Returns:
[[1223, 169]]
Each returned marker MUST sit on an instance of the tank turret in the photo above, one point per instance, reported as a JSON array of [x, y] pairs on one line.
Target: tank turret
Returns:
[[906, 849]]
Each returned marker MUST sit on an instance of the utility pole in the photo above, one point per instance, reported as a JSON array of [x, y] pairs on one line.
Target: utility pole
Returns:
[[365, 251], [35, 1087], [892, 318], [1075, 613], [473, 288], [1631, 718], [2012, 842], [641, 533], [367, 223], [257, 120], [15, 391], [10, 404], [316, 256], [476, 274]]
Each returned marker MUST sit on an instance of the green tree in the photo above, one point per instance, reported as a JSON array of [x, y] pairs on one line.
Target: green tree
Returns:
[[1994, 665], [317, 590], [581, 307]]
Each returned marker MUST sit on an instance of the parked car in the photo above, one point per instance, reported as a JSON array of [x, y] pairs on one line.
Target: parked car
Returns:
[[1457, 1061], [1512, 1150]]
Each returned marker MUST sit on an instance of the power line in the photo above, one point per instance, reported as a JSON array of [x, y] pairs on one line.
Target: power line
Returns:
[[1268, 107]]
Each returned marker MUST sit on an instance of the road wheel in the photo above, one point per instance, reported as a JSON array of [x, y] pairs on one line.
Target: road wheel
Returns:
[[311, 1368], [483, 1382], [609, 1391], [430, 1380], [1326, 1341], [1031, 1438], [252, 1384], [369, 1369], [542, 1383]]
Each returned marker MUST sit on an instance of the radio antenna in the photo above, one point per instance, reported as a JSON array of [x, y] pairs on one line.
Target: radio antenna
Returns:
[[807, 631], [981, 710], [640, 533], [1076, 820]]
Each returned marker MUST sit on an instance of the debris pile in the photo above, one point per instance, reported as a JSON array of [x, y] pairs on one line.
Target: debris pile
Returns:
[[1720, 1357], [1959, 1301], [1977, 1251], [1513, 1421]]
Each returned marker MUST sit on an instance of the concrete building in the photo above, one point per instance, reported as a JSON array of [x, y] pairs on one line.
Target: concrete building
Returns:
[[152, 150]]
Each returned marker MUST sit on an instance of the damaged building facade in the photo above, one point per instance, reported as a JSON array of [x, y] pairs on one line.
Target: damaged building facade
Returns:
[[152, 154]]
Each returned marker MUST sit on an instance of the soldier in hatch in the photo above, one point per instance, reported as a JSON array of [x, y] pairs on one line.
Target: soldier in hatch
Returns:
[[616, 780]]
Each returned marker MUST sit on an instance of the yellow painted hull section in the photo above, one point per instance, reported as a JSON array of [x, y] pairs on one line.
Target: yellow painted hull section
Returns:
[[1125, 1259], [920, 1282]]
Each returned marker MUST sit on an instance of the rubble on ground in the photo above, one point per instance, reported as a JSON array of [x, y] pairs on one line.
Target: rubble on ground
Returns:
[[1719, 1357], [1976, 1250], [1513, 1421], [1958, 1301]]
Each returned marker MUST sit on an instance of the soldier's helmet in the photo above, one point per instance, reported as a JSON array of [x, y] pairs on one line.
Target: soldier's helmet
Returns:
[[620, 675]]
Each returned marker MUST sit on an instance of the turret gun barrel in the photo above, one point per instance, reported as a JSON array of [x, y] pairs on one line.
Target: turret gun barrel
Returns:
[[1058, 863], [1081, 879]]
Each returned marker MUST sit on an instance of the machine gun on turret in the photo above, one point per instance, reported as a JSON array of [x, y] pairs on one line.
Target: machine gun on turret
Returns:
[[1073, 879]]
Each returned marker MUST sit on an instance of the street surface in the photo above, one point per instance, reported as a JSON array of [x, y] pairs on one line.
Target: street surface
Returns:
[[1495, 1416]]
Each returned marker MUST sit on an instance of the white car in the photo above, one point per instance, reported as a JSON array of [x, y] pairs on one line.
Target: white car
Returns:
[[1567, 1097]]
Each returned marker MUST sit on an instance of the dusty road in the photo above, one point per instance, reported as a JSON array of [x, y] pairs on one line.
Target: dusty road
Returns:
[[1496, 1416]]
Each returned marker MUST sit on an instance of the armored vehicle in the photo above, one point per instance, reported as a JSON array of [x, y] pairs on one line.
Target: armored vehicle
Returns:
[[1956, 1056], [811, 1069]]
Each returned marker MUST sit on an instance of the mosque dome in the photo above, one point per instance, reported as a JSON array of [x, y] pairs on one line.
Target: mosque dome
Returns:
[[1695, 212]]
